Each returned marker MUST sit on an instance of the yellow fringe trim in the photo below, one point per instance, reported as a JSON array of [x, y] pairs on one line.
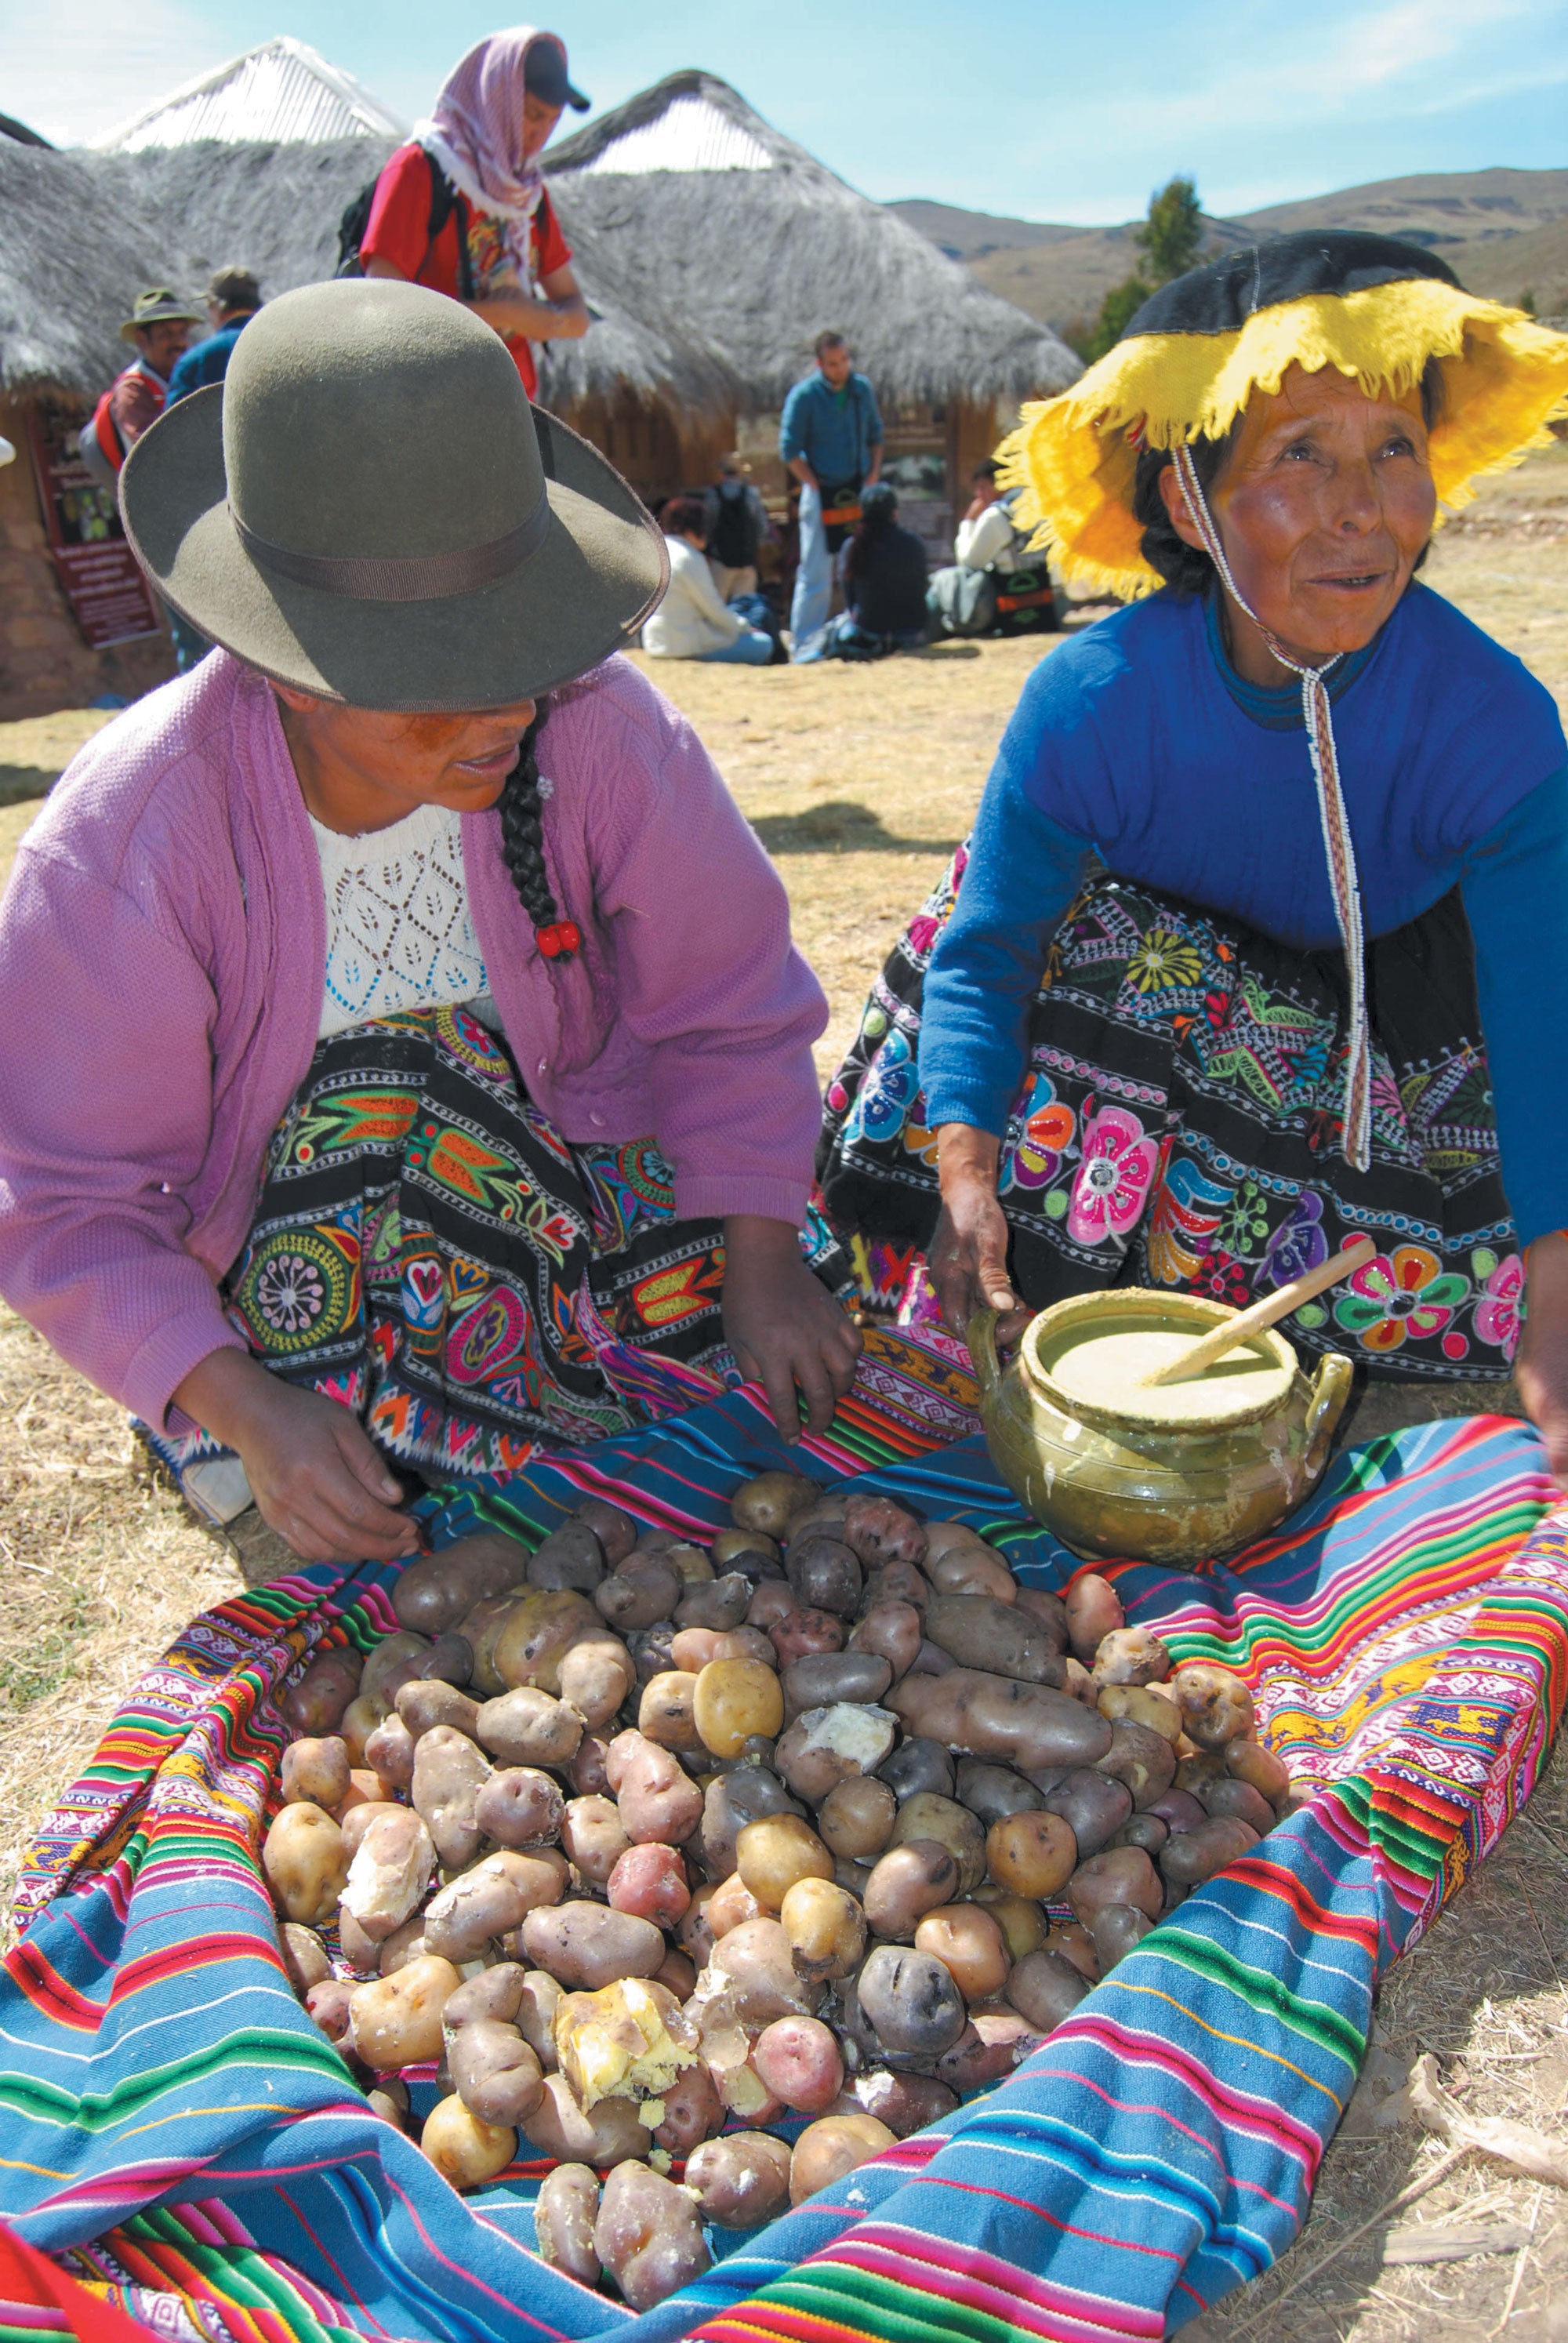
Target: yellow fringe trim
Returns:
[[1504, 378]]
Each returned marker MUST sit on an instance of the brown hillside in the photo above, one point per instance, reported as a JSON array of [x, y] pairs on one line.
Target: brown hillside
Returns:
[[1502, 231], [1536, 262]]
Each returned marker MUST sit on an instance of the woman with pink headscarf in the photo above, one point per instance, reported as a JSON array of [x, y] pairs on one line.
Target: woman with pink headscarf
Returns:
[[462, 208]]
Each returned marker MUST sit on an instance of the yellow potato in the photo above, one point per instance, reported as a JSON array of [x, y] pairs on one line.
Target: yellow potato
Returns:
[[772, 1853], [734, 1700], [464, 2150], [1032, 1855], [830, 2148], [968, 1941], [396, 2021], [663, 1714], [1021, 1922], [826, 1927], [1142, 1704], [304, 1863], [364, 1713], [769, 1501]]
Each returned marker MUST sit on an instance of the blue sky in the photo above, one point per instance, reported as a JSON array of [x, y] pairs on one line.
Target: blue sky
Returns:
[[1052, 111]]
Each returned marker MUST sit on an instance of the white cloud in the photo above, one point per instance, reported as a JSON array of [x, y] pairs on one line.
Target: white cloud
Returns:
[[73, 74]]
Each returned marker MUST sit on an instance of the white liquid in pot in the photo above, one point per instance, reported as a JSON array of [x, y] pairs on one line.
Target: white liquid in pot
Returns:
[[1101, 1365]]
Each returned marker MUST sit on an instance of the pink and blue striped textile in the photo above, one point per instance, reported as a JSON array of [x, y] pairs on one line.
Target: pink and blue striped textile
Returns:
[[181, 2138]]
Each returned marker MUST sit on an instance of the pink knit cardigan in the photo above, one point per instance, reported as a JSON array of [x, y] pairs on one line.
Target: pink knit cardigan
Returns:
[[162, 963]]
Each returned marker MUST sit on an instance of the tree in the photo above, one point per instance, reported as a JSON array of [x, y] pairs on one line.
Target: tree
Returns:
[[1115, 313], [1171, 236], [1171, 241]]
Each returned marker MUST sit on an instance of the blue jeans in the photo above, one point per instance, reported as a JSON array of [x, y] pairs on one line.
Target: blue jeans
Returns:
[[813, 596], [847, 638], [749, 650]]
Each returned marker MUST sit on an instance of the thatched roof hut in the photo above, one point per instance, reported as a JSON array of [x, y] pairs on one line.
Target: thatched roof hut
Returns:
[[711, 249], [716, 249], [66, 583]]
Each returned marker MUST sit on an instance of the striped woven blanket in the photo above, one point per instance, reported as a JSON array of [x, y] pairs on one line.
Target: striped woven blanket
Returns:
[[185, 2147]]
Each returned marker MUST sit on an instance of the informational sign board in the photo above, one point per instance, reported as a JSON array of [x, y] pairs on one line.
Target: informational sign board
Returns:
[[110, 599]]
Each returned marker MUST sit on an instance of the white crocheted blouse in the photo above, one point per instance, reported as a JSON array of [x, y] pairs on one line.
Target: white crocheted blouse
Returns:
[[398, 930]]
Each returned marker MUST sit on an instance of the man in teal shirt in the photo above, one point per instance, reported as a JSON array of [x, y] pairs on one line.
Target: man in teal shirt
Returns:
[[830, 441]]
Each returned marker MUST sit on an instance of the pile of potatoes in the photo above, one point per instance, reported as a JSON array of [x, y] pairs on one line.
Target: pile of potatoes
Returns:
[[629, 1841]]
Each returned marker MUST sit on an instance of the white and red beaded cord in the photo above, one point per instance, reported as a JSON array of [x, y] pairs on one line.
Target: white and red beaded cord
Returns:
[[1339, 848]]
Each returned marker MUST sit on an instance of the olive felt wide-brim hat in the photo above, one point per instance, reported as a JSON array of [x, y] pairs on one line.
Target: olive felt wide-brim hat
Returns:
[[369, 508]]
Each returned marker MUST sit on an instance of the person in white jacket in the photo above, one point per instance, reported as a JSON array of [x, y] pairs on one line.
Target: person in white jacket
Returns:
[[986, 537], [691, 622]]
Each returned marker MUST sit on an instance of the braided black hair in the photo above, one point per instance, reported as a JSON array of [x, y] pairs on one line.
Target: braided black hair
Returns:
[[522, 839]]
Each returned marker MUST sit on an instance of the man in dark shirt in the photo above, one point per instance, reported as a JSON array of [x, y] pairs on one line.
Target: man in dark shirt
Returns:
[[233, 298]]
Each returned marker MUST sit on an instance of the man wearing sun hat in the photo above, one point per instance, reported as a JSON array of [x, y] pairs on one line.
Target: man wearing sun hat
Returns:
[[159, 326], [406, 1058]]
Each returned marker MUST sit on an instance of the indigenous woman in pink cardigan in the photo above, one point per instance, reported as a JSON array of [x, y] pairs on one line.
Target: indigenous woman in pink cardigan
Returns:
[[404, 1058]]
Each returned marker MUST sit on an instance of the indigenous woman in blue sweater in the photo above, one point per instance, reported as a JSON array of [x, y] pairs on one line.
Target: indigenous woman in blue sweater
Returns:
[[1261, 940]]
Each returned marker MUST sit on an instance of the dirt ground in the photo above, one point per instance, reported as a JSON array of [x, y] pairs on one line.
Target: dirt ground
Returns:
[[860, 781]]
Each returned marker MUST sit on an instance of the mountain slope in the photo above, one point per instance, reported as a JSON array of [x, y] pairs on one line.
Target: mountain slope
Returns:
[[1501, 231]]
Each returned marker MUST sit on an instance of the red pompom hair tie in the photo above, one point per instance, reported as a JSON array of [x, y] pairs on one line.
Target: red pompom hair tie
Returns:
[[560, 939]]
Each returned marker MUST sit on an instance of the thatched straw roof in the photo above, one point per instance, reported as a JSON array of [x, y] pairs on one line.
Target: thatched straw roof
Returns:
[[282, 89], [166, 215], [718, 249], [72, 261], [711, 249]]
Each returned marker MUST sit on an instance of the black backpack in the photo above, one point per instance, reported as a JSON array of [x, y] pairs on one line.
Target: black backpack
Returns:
[[444, 200], [736, 535]]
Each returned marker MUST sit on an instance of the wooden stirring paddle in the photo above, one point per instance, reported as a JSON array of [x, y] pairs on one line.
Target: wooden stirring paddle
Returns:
[[1268, 1312]]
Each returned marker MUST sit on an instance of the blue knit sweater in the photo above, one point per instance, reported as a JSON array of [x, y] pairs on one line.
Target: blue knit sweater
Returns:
[[1138, 741]]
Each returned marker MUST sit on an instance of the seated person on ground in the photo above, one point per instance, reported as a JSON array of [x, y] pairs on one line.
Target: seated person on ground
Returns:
[[995, 585], [406, 1058], [1162, 1036], [738, 528], [884, 584], [691, 622], [985, 537]]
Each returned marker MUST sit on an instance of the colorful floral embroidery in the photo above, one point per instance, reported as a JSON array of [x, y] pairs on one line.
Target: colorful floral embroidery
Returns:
[[1045, 1135], [1185, 1217], [1164, 961], [888, 1091], [1223, 1279], [1113, 1179], [1298, 1244], [1153, 1021], [1405, 1295], [1245, 1223], [1498, 1314]]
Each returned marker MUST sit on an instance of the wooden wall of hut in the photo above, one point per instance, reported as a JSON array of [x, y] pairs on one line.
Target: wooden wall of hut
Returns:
[[932, 450], [44, 664], [659, 450]]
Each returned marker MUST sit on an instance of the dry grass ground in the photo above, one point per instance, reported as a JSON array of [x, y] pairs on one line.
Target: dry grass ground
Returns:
[[860, 781]]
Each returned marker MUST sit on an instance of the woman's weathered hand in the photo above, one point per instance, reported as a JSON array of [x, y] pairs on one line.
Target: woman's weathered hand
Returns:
[[968, 1259], [786, 1330], [1541, 1372], [316, 1477]]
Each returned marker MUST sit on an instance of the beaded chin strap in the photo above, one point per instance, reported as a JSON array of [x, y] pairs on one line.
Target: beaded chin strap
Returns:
[[1356, 1142]]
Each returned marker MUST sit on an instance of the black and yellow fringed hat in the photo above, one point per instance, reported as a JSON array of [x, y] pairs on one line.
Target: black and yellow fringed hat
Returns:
[[1194, 354]]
